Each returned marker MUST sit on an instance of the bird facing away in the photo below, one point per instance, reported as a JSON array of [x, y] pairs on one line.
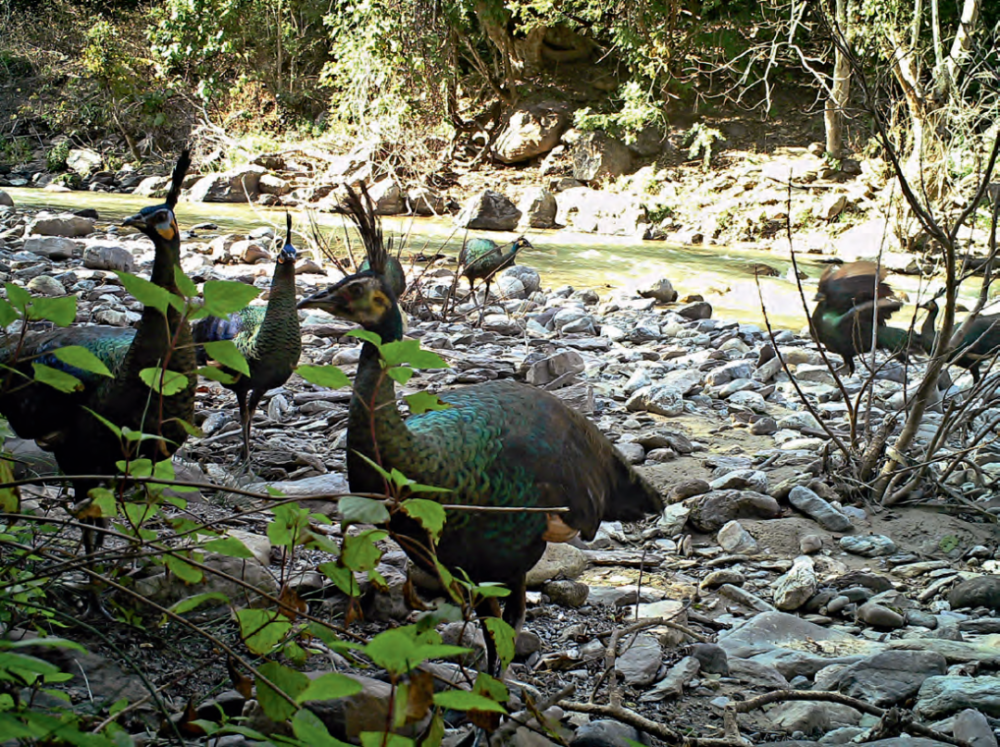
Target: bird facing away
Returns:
[[852, 299], [481, 259], [498, 444], [268, 336], [980, 343], [62, 422]]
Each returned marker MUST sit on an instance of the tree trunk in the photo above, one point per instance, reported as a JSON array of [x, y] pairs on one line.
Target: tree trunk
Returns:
[[840, 91]]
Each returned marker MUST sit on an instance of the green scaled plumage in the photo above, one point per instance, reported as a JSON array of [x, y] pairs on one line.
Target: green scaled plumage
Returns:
[[64, 423], [269, 337], [979, 344], [499, 444], [852, 300], [482, 259]]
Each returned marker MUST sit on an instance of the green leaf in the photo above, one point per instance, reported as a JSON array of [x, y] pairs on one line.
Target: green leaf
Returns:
[[291, 683], [330, 638], [215, 373], [60, 311], [186, 605], [104, 501], [228, 546], [262, 630], [135, 467], [460, 700], [343, 578], [401, 649], [421, 402], [182, 569], [226, 353], [164, 381], [184, 284], [360, 552], [59, 380], [329, 686], [948, 543], [490, 687], [490, 589], [18, 296], [399, 352], [312, 731], [400, 374], [380, 739], [224, 297], [330, 377], [503, 637], [358, 510], [80, 357], [145, 292], [364, 334], [8, 314], [429, 514]]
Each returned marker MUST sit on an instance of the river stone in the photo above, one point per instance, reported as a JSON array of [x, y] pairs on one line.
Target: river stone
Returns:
[[387, 196], [886, 678], [597, 155], [662, 290], [940, 696], [6, 200], [734, 538], [809, 503], [983, 591], [528, 276], [64, 224], [232, 186], [879, 616], [566, 593], [83, 161], [795, 588], [640, 662], [152, 186], [812, 717], [593, 211], [756, 674], [54, 247], [741, 479], [45, 285], [723, 576], [657, 399], [538, 207], [729, 372], [971, 726], [711, 511], [489, 211], [696, 310], [108, 257], [608, 733], [559, 561], [530, 130], [425, 201], [872, 546]]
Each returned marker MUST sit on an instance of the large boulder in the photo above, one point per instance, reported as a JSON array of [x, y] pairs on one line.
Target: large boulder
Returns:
[[239, 185], [84, 161], [387, 196], [152, 186], [538, 207], [531, 130], [489, 211], [425, 201], [591, 211], [597, 155]]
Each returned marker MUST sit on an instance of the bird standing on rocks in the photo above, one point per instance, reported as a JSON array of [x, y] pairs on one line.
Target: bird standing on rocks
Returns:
[[482, 259]]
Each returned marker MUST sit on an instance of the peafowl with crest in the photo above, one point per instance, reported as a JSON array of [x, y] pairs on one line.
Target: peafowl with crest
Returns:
[[482, 259], [497, 444], [852, 300], [66, 423], [979, 344], [269, 337]]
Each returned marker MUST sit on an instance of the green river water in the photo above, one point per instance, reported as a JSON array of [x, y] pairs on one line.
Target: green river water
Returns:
[[721, 275]]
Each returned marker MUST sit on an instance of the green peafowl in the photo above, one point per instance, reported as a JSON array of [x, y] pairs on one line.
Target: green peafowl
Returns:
[[498, 444], [481, 259], [268, 336], [980, 343], [848, 300], [65, 423]]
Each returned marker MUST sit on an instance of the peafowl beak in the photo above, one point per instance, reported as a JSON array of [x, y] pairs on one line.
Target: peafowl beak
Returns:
[[329, 300], [135, 221]]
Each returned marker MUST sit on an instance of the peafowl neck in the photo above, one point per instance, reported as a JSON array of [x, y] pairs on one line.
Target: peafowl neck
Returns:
[[374, 423], [155, 336], [279, 336]]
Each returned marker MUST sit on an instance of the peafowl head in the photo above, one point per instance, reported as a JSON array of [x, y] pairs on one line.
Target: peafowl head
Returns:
[[287, 254], [158, 221], [521, 243], [365, 298]]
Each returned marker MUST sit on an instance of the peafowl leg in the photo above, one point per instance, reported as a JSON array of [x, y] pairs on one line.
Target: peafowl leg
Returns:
[[486, 300], [92, 543], [241, 400], [255, 397]]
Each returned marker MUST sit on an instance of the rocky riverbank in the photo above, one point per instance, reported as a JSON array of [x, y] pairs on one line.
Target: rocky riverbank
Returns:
[[767, 574]]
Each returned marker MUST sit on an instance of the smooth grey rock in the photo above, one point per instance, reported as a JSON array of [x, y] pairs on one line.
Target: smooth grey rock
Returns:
[[559, 561], [538, 208], [756, 674], [889, 677], [733, 538], [741, 479], [597, 155], [795, 588], [608, 733], [489, 211], [387, 196], [940, 696], [819, 509], [879, 616], [639, 664], [662, 290], [971, 726], [64, 224], [108, 257], [983, 591], [657, 399], [812, 717], [679, 675], [239, 185], [709, 512], [555, 366], [425, 201], [84, 161], [530, 130], [567, 593], [711, 658], [594, 211], [6, 200], [872, 546], [733, 370]]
